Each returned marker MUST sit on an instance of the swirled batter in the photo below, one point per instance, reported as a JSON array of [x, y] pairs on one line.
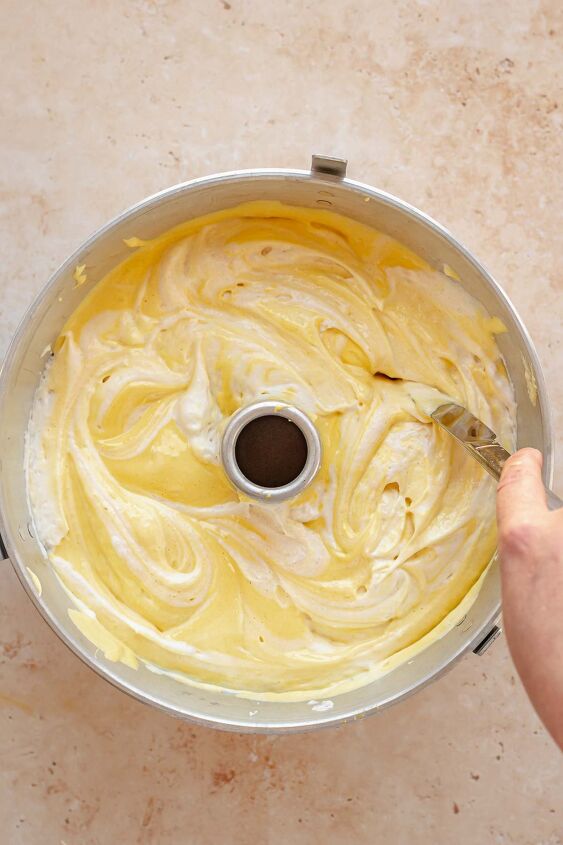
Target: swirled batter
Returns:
[[166, 562]]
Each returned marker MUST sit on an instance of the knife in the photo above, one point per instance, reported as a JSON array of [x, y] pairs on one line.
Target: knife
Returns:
[[480, 441]]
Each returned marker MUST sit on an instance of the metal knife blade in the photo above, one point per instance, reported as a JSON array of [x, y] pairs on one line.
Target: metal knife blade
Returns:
[[480, 441], [473, 435]]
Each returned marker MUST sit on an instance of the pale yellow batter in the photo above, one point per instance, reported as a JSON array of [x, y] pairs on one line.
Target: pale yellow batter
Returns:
[[167, 564]]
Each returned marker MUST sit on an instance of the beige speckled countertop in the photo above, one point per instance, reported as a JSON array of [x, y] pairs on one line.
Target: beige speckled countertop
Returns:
[[449, 104]]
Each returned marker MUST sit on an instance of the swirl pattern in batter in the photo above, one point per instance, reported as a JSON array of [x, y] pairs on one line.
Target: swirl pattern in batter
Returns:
[[166, 562]]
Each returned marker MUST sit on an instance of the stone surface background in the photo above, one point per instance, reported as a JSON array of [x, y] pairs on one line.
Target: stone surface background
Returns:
[[457, 108]]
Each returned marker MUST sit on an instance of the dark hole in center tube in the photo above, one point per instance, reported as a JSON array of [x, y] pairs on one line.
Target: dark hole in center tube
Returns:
[[271, 451]]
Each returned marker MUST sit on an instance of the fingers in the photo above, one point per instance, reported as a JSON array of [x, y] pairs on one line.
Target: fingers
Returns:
[[520, 492]]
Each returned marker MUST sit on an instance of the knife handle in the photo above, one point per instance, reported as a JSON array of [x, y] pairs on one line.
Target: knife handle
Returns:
[[493, 457]]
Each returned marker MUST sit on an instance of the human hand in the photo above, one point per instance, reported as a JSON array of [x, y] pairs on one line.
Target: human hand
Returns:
[[531, 556]]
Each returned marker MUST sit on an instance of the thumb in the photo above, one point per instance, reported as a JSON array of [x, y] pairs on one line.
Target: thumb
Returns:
[[520, 491]]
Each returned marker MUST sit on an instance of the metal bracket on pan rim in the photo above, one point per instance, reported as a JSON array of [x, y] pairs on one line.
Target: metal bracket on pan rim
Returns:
[[328, 167], [3, 551], [488, 640]]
